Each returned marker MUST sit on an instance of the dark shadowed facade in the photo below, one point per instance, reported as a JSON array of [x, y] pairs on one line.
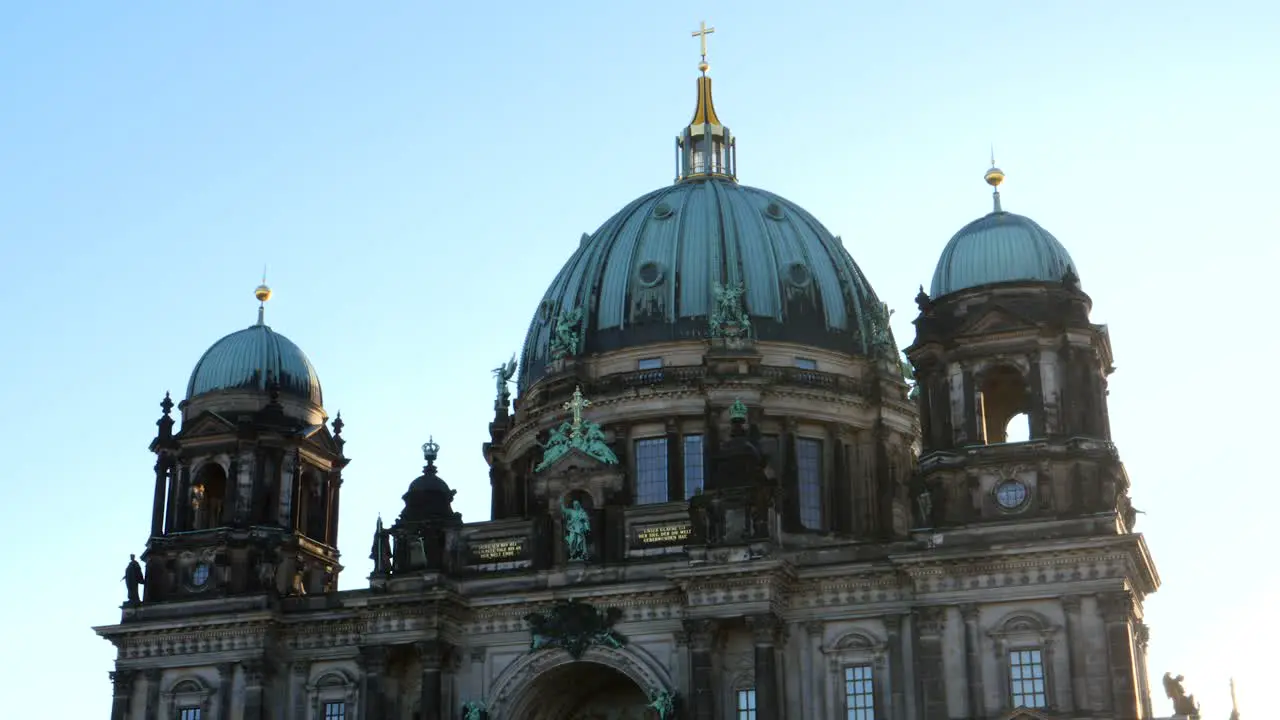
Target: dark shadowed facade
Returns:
[[722, 494]]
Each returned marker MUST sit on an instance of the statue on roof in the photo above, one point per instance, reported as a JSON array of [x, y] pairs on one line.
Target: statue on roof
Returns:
[[1183, 704], [133, 579], [881, 341], [728, 318], [566, 340], [502, 375]]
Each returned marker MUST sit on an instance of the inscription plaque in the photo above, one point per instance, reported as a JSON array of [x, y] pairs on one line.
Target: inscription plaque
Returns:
[[661, 534], [499, 550]]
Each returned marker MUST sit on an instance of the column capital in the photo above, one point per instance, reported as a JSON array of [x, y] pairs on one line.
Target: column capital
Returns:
[[478, 654], [372, 658], [122, 680], [1071, 603], [702, 634], [254, 671], [930, 621], [766, 629], [1116, 606], [969, 611], [815, 628], [431, 653]]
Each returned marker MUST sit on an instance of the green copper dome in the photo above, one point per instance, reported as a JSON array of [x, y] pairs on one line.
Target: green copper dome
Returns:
[[249, 359], [999, 248], [649, 275]]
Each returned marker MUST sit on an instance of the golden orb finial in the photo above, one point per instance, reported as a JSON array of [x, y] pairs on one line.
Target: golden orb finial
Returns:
[[262, 293], [994, 177]]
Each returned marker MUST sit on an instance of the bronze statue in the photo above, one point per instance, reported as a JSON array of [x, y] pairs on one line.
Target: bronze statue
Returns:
[[133, 579], [1183, 704]]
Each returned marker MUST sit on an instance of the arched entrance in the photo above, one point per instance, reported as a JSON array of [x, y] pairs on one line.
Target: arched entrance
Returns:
[[582, 690]]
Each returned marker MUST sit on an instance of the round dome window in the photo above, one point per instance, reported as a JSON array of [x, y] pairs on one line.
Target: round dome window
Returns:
[[662, 210], [1011, 495], [649, 273], [798, 274], [774, 210]]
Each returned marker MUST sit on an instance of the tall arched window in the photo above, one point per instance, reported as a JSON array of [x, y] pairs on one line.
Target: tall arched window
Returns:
[[208, 497], [1003, 397]]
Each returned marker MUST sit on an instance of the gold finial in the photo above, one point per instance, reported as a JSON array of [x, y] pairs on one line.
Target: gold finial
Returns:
[[701, 33], [576, 406], [995, 175], [263, 294]]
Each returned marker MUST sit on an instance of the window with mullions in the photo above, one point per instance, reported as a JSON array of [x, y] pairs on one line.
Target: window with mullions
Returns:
[[694, 477], [651, 471], [1026, 678], [335, 711], [747, 704], [859, 695], [189, 713], [809, 476]]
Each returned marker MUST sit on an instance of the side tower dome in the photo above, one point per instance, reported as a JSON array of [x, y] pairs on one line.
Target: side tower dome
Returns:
[[1000, 247], [246, 493]]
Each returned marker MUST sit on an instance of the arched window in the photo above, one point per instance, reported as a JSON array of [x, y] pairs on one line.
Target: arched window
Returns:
[[1024, 647], [312, 506], [208, 496], [188, 698], [1003, 395], [333, 695]]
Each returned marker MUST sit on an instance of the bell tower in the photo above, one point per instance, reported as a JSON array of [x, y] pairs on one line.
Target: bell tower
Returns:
[[1011, 380], [246, 492]]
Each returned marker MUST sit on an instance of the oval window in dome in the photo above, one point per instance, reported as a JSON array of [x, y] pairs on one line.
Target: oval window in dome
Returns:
[[798, 274], [774, 210], [649, 273], [662, 211]]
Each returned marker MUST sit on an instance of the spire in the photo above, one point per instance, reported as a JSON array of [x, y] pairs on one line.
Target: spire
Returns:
[[994, 177], [263, 294], [705, 148]]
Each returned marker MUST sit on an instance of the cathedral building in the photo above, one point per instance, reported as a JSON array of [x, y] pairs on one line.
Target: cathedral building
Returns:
[[720, 493]]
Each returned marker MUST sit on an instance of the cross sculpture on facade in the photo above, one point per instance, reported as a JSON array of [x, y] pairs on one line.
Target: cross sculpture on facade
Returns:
[[576, 406], [701, 33]]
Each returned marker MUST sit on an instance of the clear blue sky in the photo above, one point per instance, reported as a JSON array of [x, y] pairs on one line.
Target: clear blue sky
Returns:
[[415, 173]]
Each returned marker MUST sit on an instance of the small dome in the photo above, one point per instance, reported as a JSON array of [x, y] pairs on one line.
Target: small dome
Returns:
[[999, 248], [247, 359], [648, 275]]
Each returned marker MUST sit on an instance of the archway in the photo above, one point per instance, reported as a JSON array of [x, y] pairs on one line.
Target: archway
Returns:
[[582, 690]]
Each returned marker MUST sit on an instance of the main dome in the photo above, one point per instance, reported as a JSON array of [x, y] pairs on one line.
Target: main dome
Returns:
[[648, 275], [248, 359]]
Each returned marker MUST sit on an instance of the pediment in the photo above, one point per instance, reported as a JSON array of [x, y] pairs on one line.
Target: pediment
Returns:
[[207, 424], [320, 437], [576, 459], [997, 320]]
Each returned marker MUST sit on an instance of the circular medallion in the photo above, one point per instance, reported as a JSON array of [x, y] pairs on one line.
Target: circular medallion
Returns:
[[1011, 494]]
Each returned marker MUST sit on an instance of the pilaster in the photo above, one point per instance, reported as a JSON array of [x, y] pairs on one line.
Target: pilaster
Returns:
[[1117, 613], [931, 674], [254, 672], [121, 692], [766, 631], [702, 637], [973, 661], [431, 655], [1076, 652], [373, 665], [152, 711], [226, 675]]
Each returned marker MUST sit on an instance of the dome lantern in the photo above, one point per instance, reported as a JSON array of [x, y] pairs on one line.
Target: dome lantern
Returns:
[[705, 148]]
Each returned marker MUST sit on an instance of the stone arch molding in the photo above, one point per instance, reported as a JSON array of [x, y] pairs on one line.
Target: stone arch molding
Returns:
[[515, 686]]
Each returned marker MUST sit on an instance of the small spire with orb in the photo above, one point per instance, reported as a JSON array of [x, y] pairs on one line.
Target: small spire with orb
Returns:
[[994, 177], [263, 294]]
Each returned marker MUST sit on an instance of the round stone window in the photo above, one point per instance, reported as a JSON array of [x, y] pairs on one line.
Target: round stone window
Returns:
[[1011, 494], [649, 273], [662, 211], [774, 210], [798, 274], [200, 574]]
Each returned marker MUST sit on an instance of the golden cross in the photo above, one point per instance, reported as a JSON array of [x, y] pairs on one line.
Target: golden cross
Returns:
[[575, 406], [701, 33]]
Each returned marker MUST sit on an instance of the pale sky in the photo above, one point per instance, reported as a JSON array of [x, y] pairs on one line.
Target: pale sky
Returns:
[[413, 175]]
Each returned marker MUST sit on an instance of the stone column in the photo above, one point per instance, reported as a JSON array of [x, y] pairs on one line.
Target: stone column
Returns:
[[373, 664], [121, 692], [431, 655], [153, 694], [1076, 653], [930, 679], [1141, 637], [163, 465], [226, 676], [898, 681], [765, 630], [702, 637], [973, 661], [1117, 611], [254, 670], [477, 675]]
